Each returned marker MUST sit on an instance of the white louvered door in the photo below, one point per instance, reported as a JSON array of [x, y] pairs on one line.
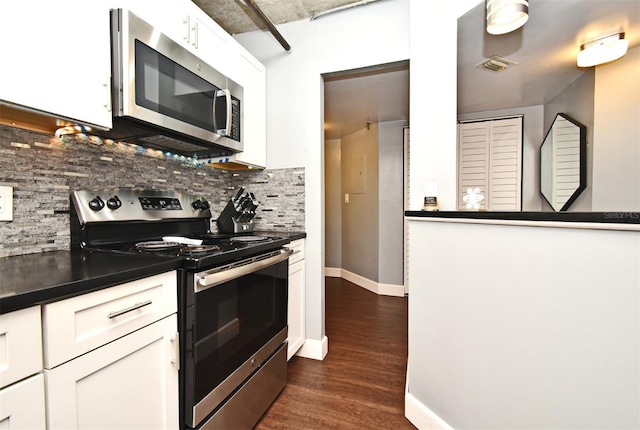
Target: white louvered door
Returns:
[[490, 158], [473, 159]]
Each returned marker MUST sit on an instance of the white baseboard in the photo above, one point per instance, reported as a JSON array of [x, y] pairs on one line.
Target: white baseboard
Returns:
[[421, 416], [315, 349], [333, 272], [368, 284]]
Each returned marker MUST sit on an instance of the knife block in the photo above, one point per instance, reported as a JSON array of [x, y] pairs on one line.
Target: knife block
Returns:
[[228, 221]]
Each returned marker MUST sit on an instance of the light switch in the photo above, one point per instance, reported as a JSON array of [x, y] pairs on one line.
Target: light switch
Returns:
[[6, 203], [346, 198]]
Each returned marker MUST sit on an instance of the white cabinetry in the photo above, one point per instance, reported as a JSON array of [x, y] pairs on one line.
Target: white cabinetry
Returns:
[[56, 59], [252, 76], [21, 395], [186, 24], [22, 404], [129, 383], [296, 313], [112, 357]]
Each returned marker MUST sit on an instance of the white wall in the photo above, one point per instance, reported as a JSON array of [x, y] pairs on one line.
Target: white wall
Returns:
[[433, 28], [360, 240], [369, 35], [506, 336], [465, 363], [390, 203], [333, 203], [616, 154]]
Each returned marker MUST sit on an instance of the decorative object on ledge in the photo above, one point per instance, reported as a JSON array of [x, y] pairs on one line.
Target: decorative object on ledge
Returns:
[[602, 50], [563, 162], [473, 198], [505, 16]]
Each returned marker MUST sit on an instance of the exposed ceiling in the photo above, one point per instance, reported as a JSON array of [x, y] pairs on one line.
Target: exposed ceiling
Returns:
[[236, 17], [545, 50]]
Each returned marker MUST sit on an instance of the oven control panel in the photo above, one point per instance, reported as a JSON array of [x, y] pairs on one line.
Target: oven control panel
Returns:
[[137, 204], [160, 204]]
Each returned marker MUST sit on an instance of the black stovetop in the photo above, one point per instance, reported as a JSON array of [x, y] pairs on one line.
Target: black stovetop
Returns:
[[227, 248]]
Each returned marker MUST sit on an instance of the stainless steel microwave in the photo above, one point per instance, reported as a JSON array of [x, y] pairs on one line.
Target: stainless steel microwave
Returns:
[[165, 97]]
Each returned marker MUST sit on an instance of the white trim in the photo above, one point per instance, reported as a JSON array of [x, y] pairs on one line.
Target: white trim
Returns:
[[421, 416], [333, 272], [391, 290], [365, 283], [368, 284], [314, 349], [552, 224]]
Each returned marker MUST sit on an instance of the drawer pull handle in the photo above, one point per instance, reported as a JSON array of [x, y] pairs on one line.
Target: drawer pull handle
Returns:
[[129, 309]]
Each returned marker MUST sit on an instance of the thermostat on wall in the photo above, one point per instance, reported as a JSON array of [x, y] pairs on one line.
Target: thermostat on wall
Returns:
[[6, 203]]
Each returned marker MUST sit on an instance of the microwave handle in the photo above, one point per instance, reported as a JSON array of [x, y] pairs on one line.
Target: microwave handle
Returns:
[[227, 125], [229, 111]]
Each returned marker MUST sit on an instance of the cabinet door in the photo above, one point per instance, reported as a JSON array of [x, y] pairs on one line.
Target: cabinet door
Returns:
[[20, 345], [22, 405], [296, 313], [129, 383], [58, 60], [252, 76], [186, 24]]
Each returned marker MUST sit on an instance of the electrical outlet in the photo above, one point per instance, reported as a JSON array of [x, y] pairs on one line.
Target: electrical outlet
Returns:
[[6, 203]]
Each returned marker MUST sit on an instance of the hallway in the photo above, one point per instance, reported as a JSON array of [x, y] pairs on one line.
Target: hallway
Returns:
[[360, 383]]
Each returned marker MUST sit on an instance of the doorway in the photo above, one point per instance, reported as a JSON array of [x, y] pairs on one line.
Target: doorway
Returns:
[[366, 112]]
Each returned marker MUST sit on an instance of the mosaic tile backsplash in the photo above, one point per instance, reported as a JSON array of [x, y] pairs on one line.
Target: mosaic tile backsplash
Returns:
[[44, 170]]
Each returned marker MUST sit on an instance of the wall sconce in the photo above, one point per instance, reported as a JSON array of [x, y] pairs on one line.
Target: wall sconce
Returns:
[[602, 50], [504, 16]]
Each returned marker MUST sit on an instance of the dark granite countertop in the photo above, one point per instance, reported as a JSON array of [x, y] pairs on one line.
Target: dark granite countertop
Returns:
[[27, 280], [291, 235]]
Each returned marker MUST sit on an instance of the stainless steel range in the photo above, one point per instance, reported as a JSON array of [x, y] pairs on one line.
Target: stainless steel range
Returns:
[[232, 297]]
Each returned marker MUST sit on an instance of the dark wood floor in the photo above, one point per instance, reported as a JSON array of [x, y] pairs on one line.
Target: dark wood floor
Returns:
[[360, 383]]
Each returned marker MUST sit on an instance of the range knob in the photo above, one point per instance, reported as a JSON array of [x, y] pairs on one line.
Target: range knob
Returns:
[[203, 205], [114, 203], [96, 204]]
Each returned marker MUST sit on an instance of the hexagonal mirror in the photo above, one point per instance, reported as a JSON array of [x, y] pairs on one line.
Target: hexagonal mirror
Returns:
[[563, 162]]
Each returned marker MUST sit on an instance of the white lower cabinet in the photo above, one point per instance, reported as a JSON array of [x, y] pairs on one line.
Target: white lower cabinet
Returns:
[[111, 357], [130, 383], [22, 405], [296, 304], [21, 380]]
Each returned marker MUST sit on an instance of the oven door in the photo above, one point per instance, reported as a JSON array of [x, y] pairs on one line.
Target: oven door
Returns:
[[238, 320]]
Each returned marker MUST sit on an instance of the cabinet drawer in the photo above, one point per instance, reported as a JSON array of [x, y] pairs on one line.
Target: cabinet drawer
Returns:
[[298, 251], [22, 404], [20, 345], [80, 324]]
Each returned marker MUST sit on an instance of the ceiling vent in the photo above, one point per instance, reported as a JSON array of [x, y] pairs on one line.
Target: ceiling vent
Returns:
[[495, 63]]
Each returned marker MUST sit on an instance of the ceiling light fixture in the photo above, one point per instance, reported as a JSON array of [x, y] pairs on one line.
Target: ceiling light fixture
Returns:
[[505, 16], [602, 50]]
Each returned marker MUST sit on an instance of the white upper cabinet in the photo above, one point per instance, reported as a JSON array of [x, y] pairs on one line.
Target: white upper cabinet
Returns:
[[56, 58], [251, 74], [186, 24]]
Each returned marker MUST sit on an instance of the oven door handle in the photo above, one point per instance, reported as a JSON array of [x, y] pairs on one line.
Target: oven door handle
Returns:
[[219, 275]]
